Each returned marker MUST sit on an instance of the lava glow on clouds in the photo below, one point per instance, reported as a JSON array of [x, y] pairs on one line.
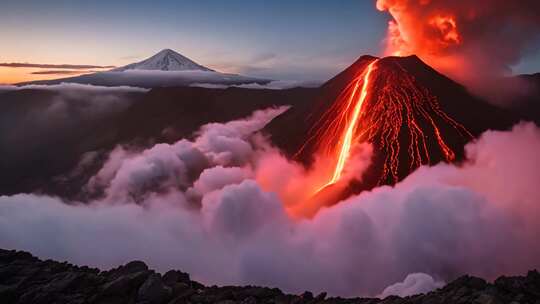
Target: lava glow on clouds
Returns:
[[466, 39], [219, 207], [229, 208]]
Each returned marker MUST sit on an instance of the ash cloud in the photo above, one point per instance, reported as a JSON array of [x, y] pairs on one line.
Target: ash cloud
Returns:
[[201, 206], [472, 41]]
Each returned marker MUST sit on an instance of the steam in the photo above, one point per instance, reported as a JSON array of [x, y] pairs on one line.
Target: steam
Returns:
[[469, 40], [67, 111], [414, 283], [203, 206]]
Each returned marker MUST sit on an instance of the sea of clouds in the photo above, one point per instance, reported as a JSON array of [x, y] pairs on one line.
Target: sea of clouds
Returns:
[[218, 207]]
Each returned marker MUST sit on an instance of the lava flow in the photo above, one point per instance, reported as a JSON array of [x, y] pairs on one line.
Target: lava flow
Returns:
[[385, 106], [347, 137]]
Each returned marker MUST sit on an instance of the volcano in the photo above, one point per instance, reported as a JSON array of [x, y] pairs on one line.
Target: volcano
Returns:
[[169, 114], [410, 113], [165, 60], [166, 68]]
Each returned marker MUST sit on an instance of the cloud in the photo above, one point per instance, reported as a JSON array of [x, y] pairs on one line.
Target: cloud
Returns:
[[54, 66], [65, 112], [215, 178], [210, 85], [61, 72], [203, 206], [272, 85], [453, 36], [130, 175], [414, 283], [66, 87], [7, 88], [155, 78], [282, 84]]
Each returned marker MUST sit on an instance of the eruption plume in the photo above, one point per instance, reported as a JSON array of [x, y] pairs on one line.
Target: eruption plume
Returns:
[[468, 40]]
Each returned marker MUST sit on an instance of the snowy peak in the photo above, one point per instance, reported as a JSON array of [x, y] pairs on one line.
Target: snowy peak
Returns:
[[165, 60]]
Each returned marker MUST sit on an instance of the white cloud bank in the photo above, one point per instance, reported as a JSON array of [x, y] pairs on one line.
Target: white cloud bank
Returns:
[[66, 87], [201, 206], [414, 283]]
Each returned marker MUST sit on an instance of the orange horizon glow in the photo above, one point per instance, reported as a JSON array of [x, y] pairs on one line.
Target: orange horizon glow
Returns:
[[9, 75]]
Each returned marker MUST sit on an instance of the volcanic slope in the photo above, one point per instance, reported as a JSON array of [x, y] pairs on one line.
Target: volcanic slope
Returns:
[[412, 115]]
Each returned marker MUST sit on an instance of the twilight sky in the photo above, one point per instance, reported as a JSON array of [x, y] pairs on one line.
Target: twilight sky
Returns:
[[300, 39]]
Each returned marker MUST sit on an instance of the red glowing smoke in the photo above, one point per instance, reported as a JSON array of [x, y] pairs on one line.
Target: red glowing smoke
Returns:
[[467, 40]]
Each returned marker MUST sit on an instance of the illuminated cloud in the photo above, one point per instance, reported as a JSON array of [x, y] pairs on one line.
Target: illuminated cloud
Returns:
[[442, 221]]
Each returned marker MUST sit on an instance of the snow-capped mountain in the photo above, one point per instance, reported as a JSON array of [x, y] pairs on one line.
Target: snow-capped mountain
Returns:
[[165, 60], [165, 69]]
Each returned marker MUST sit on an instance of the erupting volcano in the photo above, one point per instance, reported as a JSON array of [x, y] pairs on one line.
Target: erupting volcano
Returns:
[[270, 171], [409, 113], [401, 107]]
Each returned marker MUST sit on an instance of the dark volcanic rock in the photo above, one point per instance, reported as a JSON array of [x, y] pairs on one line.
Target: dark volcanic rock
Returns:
[[172, 277], [129, 268], [26, 279], [153, 290]]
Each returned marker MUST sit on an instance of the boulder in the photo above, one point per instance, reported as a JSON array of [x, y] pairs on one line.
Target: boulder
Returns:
[[153, 290], [131, 267], [172, 277]]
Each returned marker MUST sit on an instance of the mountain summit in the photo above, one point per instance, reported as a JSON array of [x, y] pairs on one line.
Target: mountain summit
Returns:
[[165, 69], [165, 60]]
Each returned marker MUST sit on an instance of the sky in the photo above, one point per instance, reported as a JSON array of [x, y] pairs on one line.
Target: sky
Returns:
[[290, 40]]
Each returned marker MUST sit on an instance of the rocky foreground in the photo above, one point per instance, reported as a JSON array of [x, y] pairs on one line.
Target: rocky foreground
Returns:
[[26, 279]]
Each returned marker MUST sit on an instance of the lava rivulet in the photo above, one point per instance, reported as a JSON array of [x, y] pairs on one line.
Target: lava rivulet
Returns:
[[355, 102], [385, 105]]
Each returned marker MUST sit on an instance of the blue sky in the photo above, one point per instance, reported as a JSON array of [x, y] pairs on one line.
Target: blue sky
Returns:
[[295, 39]]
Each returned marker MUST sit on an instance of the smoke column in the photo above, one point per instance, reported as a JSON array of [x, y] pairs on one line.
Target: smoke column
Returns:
[[468, 40]]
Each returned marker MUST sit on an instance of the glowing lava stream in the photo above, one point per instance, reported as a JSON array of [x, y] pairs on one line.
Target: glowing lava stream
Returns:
[[349, 131]]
